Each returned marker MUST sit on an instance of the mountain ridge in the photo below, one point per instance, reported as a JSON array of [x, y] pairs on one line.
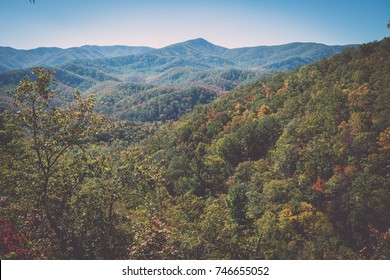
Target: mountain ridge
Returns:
[[12, 58], [187, 66], [286, 158], [202, 54]]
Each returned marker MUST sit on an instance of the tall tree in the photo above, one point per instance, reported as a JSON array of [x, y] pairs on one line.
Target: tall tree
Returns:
[[51, 131]]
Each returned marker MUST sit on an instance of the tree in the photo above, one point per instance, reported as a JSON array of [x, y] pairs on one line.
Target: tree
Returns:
[[237, 202], [51, 131], [298, 232], [220, 232]]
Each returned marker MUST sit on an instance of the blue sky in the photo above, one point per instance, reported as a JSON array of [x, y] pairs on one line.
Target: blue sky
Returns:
[[157, 23]]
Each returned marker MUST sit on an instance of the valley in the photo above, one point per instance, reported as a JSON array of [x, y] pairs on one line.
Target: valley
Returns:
[[197, 68]]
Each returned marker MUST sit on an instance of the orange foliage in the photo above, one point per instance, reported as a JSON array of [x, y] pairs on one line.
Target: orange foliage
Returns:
[[250, 98], [319, 185]]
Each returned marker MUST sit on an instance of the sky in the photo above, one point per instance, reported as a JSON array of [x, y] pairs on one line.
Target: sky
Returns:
[[158, 23]]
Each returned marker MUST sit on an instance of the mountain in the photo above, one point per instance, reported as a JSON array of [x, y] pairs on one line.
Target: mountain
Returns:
[[197, 53], [202, 54], [192, 48], [184, 67], [295, 165], [77, 77], [285, 57], [15, 59]]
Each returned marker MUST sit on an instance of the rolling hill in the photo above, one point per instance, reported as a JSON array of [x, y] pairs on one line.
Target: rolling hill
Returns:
[[202, 54], [183, 67], [293, 166], [11, 59], [197, 53]]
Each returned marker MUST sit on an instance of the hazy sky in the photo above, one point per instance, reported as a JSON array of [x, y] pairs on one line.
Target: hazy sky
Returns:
[[157, 23]]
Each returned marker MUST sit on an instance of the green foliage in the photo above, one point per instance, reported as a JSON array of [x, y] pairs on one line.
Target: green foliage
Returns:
[[146, 103], [300, 233], [237, 201], [51, 135], [293, 166], [301, 156], [184, 68]]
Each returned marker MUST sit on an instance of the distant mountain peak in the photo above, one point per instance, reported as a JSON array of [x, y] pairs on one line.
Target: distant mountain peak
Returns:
[[198, 46], [196, 52], [200, 41]]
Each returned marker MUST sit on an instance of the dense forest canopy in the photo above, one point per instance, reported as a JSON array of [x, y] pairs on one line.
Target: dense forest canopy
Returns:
[[293, 166], [182, 75]]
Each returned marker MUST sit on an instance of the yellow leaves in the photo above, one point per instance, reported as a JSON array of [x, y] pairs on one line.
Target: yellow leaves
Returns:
[[304, 220], [239, 108], [263, 110], [286, 215], [384, 139]]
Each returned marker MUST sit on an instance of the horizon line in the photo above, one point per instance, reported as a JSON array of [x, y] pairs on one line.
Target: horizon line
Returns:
[[181, 42]]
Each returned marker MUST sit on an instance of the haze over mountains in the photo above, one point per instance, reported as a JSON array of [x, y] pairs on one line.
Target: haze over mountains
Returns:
[[197, 52], [192, 65], [15, 59]]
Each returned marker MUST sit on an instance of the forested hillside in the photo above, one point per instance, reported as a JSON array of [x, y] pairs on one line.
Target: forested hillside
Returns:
[[293, 166], [202, 55], [148, 103], [186, 74], [183, 75], [197, 52]]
